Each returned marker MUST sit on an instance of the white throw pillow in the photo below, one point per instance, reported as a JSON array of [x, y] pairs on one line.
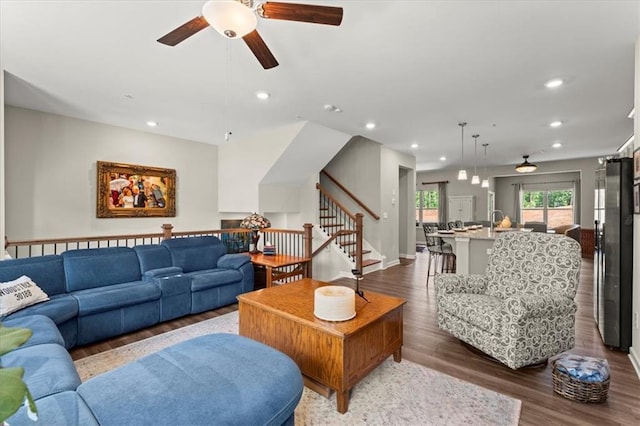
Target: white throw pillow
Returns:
[[18, 294]]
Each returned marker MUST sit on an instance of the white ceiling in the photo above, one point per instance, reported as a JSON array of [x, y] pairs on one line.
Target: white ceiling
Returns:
[[416, 68]]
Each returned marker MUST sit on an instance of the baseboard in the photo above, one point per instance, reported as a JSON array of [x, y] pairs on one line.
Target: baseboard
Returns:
[[392, 263], [407, 256], [634, 356]]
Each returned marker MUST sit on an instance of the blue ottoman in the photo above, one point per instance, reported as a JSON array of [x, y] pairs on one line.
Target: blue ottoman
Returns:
[[221, 379]]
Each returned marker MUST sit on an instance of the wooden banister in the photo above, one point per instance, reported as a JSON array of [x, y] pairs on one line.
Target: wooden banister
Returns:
[[351, 195], [332, 238], [293, 242], [334, 201]]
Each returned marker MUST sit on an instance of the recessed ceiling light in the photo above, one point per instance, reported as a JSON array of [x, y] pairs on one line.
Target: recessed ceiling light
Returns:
[[263, 96], [370, 125], [552, 84], [414, 145], [152, 123], [555, 124], [443, 158], [557, 145]]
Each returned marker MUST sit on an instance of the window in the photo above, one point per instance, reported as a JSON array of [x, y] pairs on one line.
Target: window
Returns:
[[555, 207], [427, 202]]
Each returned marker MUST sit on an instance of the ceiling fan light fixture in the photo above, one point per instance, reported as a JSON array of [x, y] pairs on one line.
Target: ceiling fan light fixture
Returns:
[[526, 166], [230, 18]]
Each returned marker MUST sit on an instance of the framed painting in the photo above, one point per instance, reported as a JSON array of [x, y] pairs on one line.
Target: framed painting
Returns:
[[636, 198], [131, 190], [636, 164]]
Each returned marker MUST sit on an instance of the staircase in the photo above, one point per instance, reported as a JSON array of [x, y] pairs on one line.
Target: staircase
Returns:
[[344, 229]]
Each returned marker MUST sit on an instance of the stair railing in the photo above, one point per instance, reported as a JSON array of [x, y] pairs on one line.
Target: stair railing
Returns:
[[341, 226], [292, 242], [351, 195]]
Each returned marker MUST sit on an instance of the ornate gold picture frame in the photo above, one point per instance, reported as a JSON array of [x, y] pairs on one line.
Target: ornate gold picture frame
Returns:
[[131, 190]]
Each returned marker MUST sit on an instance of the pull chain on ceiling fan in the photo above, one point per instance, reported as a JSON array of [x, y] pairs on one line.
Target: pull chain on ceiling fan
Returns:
[[238, 19]]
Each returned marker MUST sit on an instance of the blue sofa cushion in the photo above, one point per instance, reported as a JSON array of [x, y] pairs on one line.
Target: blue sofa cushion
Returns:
[[46, 271], [202, 280], [48, 368], [213, 379], [152, 256], [233, 261], [61, 409], [95, 300], [60, 308], [91, 268], [43, 328], [195, 253]]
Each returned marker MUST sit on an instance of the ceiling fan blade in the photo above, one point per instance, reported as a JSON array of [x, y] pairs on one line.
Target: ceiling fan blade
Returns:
[[260, 50], [327, 15], [184, 31]]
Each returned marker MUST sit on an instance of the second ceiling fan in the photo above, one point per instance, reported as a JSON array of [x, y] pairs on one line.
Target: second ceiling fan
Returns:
[[238, 19]]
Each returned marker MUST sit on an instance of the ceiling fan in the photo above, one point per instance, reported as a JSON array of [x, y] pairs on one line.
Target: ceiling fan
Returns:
[[238, 19]]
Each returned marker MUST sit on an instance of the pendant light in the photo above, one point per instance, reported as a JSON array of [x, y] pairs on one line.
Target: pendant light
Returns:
[[462, 174], [526, 166], [475, 180], [485, 181]]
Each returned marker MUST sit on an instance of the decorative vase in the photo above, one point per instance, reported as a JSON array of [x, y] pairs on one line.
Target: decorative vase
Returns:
[[255, 236]]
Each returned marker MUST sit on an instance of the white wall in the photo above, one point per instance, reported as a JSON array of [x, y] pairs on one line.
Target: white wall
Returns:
[[244, 162], [51, 176]]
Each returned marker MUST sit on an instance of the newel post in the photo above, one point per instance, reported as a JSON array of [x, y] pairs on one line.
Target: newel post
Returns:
[[308, 248], [166, 231], [359, 232]]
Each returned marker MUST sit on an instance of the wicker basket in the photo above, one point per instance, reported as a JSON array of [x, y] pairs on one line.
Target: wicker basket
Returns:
[[579, 390]]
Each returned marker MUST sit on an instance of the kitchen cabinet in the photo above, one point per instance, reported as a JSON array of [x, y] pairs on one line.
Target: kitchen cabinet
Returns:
[[461, 207]]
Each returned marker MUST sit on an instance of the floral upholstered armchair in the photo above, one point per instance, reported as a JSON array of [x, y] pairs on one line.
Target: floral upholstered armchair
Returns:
[[522, 310]]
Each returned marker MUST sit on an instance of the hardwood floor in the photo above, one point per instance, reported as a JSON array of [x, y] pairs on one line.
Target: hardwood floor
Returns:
[[425, 344]]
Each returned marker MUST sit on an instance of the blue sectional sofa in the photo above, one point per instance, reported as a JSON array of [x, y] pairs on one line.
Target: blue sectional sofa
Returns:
[[48, 273], [211, 379], [104, 292]]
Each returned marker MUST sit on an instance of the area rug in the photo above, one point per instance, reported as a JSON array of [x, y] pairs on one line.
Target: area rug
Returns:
[[402, 393]]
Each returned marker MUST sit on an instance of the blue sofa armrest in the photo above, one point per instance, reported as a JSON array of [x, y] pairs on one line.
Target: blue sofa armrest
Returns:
[[233, 261], [161, 272]]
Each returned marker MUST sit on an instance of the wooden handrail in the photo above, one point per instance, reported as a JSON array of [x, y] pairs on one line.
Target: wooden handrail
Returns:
[[81, 239], [336, 202], [351, 195], [303, 236], [333, 238]]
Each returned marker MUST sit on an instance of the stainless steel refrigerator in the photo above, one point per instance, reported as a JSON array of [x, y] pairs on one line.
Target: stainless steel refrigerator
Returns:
[[613, 257]]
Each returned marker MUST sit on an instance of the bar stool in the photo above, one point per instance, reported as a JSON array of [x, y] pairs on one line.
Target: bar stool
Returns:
[[438, 252]]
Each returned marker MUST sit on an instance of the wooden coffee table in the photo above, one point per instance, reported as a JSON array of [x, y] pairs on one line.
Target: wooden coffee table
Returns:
[[331, 355]]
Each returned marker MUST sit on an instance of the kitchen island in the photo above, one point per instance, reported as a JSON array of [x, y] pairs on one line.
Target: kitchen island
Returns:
[[472, 247]]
